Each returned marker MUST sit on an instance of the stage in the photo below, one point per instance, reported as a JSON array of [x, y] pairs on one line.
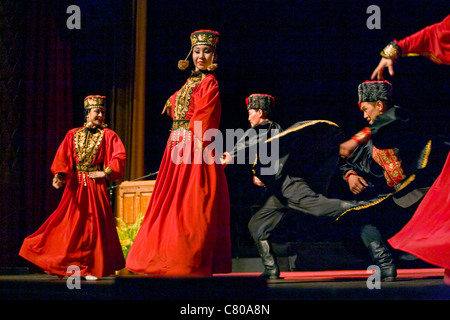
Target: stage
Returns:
[[411, 284]]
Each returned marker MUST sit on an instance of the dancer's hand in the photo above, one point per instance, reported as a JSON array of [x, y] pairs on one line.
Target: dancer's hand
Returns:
[[226, 159], [57, 182], [357, 184], [346, 148], [384, 63], [97, 174], [258, 182], [166, 110]]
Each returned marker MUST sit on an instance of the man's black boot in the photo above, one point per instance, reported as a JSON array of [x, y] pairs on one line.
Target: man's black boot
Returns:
[[271, 269], [382, 257]]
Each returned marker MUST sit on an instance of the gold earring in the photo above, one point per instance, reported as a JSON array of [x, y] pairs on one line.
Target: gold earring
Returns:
[[212, 66], [183, 64]]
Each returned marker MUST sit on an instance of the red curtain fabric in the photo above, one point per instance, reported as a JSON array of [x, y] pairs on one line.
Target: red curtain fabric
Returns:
[[11, 115], [48, 110]]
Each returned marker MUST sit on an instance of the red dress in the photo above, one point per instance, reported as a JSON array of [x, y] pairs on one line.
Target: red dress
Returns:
[[186, 229], [427, 234], [82, 230]]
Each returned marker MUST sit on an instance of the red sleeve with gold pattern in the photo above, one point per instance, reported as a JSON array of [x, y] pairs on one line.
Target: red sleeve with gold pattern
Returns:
[[362, 136]]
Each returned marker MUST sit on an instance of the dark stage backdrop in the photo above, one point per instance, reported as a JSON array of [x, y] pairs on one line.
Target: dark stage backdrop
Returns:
[[310, 55], [36, 109]]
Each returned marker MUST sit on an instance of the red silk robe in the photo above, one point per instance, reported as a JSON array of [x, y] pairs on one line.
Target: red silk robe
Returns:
[[82, 230], [427, 234], [186, 229], [432, 42]]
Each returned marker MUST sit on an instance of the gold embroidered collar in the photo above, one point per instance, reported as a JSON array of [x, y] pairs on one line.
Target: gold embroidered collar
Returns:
[[86, 144], [183, 99]]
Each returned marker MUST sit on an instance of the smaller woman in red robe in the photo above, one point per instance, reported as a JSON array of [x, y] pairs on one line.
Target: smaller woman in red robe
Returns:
[[81, 231], [186, 229], [427, 234]]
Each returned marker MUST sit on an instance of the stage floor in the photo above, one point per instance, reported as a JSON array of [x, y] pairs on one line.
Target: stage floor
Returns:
[[412, 284]]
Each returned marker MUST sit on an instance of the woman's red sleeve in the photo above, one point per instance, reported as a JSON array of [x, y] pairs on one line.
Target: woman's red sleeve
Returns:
[[207, 111], [115, 155], [432, 42], [63, 161]]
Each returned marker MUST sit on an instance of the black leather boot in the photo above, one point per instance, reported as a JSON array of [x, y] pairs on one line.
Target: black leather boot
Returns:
[[382, 257], [271, 269]]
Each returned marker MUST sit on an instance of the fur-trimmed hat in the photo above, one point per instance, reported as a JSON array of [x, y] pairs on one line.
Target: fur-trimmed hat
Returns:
[[262, 101], [372, 91]]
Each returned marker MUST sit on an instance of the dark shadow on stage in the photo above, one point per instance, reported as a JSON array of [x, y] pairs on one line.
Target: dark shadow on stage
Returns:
[[412, 284], [210, 288], [46, 287]]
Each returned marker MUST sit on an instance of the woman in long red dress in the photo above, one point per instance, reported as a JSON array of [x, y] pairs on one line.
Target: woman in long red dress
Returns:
[[186, 229], [82, 231]]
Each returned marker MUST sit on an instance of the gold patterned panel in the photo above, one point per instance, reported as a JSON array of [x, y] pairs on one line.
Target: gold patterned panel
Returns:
[[87, 144], [183, 98], [392, 165]]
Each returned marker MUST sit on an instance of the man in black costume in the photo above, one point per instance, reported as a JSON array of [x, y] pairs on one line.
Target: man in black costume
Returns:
[[390, 164], [303, 159]]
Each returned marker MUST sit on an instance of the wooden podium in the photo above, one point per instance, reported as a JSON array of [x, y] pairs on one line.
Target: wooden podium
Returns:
[[133, 198]]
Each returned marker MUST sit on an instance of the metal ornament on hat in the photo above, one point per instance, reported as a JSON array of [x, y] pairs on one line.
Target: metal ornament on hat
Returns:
[[206, 37]]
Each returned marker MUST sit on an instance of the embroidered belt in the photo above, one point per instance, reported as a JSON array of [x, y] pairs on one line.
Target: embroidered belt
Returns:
[[83, 168], [180, 129], [180, 124], [89, 167]]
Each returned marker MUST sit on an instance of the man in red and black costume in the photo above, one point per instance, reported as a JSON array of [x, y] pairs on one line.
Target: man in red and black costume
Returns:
[[432, 42], [424, 235], [393, 150]]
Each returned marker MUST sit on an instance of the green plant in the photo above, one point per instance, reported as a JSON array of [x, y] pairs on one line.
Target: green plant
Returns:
[[127, 233]]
